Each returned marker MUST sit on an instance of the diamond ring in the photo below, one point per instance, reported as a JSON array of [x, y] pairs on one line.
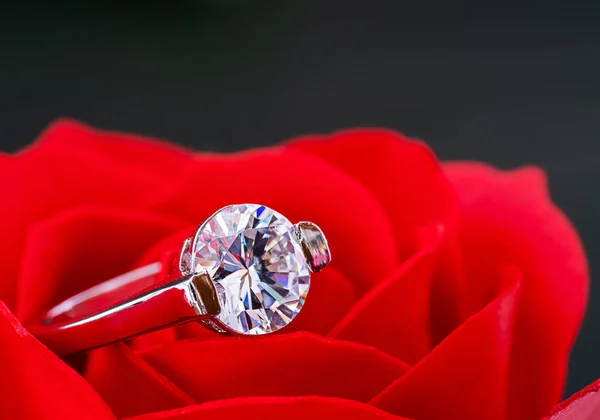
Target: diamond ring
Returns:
[[245, 271]]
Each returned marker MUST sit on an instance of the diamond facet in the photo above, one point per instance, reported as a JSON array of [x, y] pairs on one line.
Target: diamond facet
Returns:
[[257, 264]]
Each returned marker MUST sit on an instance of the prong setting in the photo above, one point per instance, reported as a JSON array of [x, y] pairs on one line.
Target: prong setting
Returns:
[[314, 245], [206, 294], [185, 257]]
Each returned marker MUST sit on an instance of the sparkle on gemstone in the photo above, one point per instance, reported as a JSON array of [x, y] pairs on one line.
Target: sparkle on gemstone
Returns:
[[257, 264]]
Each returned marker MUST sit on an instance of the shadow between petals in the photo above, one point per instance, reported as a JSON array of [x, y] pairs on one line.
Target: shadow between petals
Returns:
[[292, 408]]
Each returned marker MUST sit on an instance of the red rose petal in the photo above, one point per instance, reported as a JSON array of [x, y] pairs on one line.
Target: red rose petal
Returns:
[[301, 187], [584, 405], [197, 331], [155, 160], [288, 364], [79, 248], [405, 177], [465, 376], [170, 244], [394, 315], [72, 165], [154, 338], [330, 297], [290, 408], [507, 217], [402, 174], [129, 385], [35, 384]]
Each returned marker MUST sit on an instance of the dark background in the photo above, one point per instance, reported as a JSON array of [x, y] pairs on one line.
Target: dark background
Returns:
[[505, 82]]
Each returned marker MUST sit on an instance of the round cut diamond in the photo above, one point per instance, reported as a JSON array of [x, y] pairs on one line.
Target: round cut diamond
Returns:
[[257, 265]]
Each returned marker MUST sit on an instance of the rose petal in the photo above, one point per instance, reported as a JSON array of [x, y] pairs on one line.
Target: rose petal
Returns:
[[291, 408], [330, 297], [152, 159], [507, 217], [584, 405], [289, 364], [402, 174], [197, 331], [301, 187], [465, 376], [170, 244], [394, 315], [154, 338], [129, 385], [72, 165], [35, 384], [405, 177], [81, 247]]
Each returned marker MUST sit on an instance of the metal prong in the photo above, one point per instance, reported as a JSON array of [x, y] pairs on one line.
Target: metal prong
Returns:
[[314, 246], [209, 301], [185, 257]]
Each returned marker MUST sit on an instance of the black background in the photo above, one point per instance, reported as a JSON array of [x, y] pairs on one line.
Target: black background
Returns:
[[505, 82]]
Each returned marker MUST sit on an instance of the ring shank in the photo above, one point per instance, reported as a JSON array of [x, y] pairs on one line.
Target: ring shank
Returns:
[[108, 313]]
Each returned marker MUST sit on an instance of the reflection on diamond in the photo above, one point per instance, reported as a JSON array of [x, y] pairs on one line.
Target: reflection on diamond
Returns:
[[260, 272]]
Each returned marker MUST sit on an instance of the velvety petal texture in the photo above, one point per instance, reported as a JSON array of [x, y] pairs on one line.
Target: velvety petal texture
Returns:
[[404, 176], [466, 376], [133, 386], [407, 291], [35, 384], [508, 218], [293, 408], [455, 290], [72, 165], [64, 254]]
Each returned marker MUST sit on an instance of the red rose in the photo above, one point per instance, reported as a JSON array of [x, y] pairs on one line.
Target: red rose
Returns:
[[455, 291]]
